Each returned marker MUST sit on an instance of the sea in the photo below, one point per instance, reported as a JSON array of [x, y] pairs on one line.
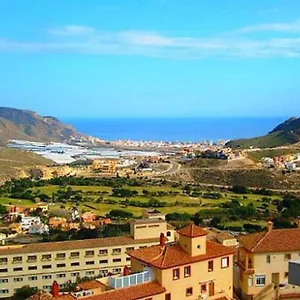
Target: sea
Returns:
[[175, 129]]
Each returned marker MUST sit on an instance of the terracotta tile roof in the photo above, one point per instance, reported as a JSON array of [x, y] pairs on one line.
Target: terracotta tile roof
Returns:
[[130, 293], [173, 255], [222, 298], [192, 231], [290, 296], [278, 240], [40, 296], [90, 285], [71, 245], [64, 297]]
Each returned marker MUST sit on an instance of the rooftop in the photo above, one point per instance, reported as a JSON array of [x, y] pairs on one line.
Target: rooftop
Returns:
[[173, 255], [147, 221], [224, 236], [71, 245], [130, 293], [192, 231], [279, 240], [90, 285]]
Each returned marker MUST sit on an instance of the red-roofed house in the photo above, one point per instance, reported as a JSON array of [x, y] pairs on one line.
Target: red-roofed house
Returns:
[[262, 264]]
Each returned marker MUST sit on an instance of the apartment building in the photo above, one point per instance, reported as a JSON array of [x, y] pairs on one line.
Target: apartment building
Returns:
[[262, 267], [192, 268], [40, 264]]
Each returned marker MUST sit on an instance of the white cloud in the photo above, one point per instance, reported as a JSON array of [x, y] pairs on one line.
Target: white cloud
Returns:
[[292, 27], [87, 40]]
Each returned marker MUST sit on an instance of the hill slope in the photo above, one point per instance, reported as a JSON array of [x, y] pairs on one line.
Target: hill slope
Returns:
[[13, 161], [28, 125], [286, 133]]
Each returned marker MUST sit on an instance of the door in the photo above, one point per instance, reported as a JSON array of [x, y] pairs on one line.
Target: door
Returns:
[[211, 288], [275, 278]]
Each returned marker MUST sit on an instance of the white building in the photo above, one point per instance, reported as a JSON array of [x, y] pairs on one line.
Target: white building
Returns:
[[26, 222], [38, 228]]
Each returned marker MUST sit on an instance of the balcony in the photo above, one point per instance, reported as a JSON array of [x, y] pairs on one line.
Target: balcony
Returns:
[[245, 267], [130, 280]]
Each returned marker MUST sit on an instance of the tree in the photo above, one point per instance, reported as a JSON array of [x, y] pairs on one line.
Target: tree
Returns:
[[24, 292], [3, 210]]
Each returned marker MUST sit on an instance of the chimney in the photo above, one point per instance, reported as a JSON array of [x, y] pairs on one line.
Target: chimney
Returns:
[[126, 271], [162, 240], [55, 289], [270, 225]]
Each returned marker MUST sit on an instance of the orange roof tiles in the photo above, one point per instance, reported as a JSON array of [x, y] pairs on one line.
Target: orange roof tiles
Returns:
[[192, 231], [290, 296], [64, 297], [278, 240], [130, 293], [173, 255], [90, 285], [41, 296], [71, 245]]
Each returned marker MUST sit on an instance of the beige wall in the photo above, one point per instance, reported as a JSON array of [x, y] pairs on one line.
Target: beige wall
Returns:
[[278, 264], [194, 246], [69, 271], [222, 279]]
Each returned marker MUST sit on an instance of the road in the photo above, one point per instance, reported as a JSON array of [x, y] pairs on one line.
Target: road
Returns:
[[175, 167]]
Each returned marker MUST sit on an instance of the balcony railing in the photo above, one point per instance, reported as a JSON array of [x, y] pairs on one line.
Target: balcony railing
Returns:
[[133, 279]]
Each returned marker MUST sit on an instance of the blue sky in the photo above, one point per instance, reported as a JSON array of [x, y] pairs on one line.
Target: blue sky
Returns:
[[151, 58]]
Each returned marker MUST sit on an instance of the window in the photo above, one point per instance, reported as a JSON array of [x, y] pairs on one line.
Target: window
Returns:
[[32, 278], [225, 262], [3, 261], [176, 274], [91, 262], [17, 259], [62, 275], [60, 255], [116, 251], [47, 287], [31, 258], [89, 253], [199, 246], [268, 259], [60, 265], [46, 257], [210, 265], [250, 281], [168, 296], [286, 274], [46, 277], [287, 256], [168, 233], [203, 288], [117, 260], [75, 274], [260, 280], [18, 269], [4, 292], [18, 279], [104, 261], [189, 292], [3, 280], [32, 268], [75, 264], [46, 267], [141, 247], [3, 270], [116, 270], [89, 273], [103, 252], [74, 254], [127, 258], [151, 226], [187, 271], [129, 248]]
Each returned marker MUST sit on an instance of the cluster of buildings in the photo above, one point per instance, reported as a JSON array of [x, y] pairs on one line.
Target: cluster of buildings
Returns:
[[155, 262], [19, 220], [289, 162]]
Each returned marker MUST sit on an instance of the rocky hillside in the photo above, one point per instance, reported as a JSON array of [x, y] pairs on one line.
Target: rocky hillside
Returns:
[[286, 133], [28, 125]]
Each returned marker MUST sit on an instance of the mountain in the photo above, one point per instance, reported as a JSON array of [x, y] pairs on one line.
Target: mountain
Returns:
[[286, 133], [28, 125]]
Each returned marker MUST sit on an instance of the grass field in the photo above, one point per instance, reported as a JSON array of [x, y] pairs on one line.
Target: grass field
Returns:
[[92, 193]]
